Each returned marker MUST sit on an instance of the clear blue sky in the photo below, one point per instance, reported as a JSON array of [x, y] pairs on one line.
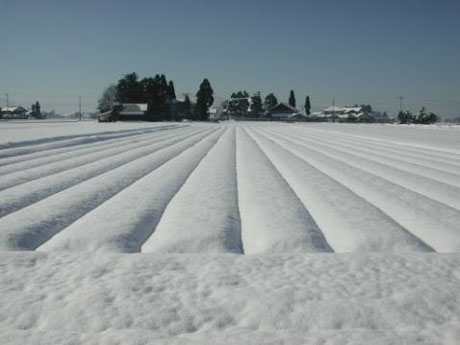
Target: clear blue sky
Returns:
[[360, 51]]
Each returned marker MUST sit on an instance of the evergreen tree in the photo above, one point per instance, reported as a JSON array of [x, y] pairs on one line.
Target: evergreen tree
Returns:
[[426, 118], [37, 110], [307, 106], [270, 101], [187, 107], [256, 105], [366, 108], [405, 117], [129, 89], [238, 104], [164, 84], [32, 108], [156, 98], [204, 99], [433, 118], [171, 90], [232, 105], [240, 94], [292, 99], [151, 91]]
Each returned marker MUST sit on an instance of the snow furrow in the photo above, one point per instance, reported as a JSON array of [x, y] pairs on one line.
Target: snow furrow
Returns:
[[72, 162], [443, 172], [29, 227], [431, 221], [421, 143], [273, 219], [59, 142], [61, 131], [427, 154], [432, 188], [349, 222], [123, 223], [443, 167], [15, 198], [67, 149], [203, 217], [58, 155]]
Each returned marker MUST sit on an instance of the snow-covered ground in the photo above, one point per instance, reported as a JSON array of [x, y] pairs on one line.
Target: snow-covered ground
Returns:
[[234, 233], [359, 299]]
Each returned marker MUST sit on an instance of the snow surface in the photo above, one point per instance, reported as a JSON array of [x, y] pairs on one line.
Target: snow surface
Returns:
[[238, 233], [127, 299]]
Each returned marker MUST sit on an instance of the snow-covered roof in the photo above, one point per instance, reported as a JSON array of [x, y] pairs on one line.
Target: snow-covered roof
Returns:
[[294, 109], [362, 114], [297, 115], [343, 110], [13, 109], [321, 114], [317, 113], [336, 109], [174, 101], [352, 109], [134, 107]]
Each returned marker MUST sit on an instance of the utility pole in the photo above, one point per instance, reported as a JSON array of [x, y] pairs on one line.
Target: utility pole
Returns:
[[7, 101], [79, 106], [333, 109], [400, 103]]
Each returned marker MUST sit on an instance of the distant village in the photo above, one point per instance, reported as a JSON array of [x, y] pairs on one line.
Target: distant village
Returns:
[[19, 112], [154, 99]]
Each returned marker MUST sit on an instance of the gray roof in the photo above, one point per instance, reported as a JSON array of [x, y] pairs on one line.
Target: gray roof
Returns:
[[287, 105]]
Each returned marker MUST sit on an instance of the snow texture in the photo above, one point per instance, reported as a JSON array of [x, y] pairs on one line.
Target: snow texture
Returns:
[[319, 298], [235, 233]]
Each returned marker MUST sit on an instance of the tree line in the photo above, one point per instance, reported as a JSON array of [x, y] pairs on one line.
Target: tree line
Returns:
[[160, 96], [423, 117], [242, 104]]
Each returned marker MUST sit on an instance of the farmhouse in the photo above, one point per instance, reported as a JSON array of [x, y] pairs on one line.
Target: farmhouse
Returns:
[[13, 113], [124, 111], [283, 110], [138, 111], [132, 111], [349, 114]]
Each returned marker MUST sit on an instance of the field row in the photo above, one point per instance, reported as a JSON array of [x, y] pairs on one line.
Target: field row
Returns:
[[233, 188]]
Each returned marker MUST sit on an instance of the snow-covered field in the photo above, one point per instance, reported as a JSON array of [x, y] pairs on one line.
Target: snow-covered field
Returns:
[[237, 233]]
